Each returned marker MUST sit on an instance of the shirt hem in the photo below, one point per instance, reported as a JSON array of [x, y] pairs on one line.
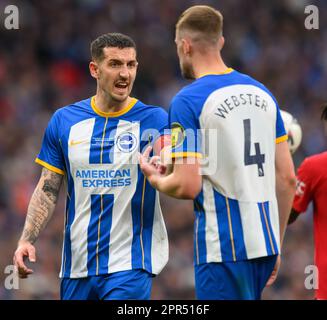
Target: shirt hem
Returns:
[[281, 139], [85, 274], [219, 258], [49, 166]]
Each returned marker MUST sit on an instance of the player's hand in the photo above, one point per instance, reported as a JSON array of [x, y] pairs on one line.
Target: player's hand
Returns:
[[274, 274], [151, 168], [24, 249], [156, 162]]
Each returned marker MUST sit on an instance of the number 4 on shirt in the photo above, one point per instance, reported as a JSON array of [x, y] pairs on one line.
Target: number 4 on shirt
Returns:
[[258, 158]]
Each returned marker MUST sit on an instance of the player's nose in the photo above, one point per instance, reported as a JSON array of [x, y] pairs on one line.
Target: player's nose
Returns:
[[124, 72]]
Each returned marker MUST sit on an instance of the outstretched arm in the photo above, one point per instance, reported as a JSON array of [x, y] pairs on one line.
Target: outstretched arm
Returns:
[[184, 182], [40, 210]]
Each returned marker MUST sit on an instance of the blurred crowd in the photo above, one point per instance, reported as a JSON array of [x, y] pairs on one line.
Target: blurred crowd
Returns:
[[44, 65]]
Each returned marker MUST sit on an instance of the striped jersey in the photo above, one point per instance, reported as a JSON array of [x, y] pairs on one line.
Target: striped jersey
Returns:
[[113, 218], [233, 123]]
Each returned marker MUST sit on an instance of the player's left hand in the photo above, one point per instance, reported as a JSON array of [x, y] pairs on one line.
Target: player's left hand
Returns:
[[274, 274]]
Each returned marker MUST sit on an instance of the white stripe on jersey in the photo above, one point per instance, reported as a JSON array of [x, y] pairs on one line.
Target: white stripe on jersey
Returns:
[[211, 230], [160, 248]]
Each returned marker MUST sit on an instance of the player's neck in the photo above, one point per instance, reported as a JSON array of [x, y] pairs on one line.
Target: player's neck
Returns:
[[210, 65], [106, 104]]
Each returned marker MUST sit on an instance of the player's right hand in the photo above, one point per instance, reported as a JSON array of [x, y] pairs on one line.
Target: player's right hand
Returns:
[[156, 162], [24, 249], [274, 274], [148, 167]]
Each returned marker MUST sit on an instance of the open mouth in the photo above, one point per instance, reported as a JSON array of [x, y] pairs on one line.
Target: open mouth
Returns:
[[121, 85]]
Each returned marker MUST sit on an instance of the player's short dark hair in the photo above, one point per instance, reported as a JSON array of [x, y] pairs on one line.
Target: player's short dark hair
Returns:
[[324, 112], [114, 40], [202, 19]]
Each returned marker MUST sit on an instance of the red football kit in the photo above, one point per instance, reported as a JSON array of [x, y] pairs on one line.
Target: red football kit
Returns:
[[312, 186]]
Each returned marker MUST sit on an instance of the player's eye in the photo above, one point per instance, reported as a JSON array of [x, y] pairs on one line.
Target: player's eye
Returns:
[[114, 64], [132, 64]]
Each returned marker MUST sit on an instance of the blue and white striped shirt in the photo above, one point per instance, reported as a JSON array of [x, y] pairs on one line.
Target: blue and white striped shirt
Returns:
[[113, 217], [233, 123]]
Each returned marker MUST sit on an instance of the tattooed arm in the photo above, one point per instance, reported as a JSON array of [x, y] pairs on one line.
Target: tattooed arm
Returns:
[[40, 210]]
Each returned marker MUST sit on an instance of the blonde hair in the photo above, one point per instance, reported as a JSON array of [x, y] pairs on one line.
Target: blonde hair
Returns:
[[205, 21]]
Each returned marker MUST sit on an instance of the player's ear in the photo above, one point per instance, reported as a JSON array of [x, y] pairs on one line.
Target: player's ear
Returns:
[[221, 42], [94, 69], [186, 45]]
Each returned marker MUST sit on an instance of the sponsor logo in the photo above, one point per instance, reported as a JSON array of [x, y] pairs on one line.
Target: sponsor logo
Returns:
[[75, 142], [300, 188]]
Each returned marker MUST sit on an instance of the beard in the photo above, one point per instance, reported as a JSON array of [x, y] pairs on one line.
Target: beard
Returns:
[[187, 71]]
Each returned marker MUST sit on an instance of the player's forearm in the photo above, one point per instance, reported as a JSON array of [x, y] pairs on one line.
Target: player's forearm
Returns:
[[42, 205], [170, 186], [285, 191], [177, 187]]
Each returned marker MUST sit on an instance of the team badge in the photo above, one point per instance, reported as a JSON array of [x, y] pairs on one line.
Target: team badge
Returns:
[[126, 142]]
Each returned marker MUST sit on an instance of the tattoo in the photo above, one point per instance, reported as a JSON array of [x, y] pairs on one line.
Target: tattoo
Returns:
[[42, 204], [52, 182]]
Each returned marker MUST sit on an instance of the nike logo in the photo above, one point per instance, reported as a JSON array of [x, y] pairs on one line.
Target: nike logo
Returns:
[[75, 142]]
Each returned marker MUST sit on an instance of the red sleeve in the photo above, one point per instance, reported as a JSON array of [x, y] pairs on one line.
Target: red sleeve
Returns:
[[303, 194]]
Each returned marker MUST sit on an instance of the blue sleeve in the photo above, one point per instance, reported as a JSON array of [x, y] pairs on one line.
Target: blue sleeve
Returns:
[[51, 156], [281, 134], [161, 123], [184, 125]]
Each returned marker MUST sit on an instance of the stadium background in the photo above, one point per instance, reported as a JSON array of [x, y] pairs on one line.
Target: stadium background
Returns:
[[44, 65]]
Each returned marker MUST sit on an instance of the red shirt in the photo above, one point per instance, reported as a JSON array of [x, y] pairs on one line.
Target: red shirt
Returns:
[[312, 186]]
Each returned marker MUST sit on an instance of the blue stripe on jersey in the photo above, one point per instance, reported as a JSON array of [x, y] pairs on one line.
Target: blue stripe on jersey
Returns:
[[100, 144], [92, 234], [267, 229], [67, 262], [240, 249], [105, 228], [231, 237], [70, 216], [200, 249], [109, 144], [99, 233], [142, 217], [137, 248]]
